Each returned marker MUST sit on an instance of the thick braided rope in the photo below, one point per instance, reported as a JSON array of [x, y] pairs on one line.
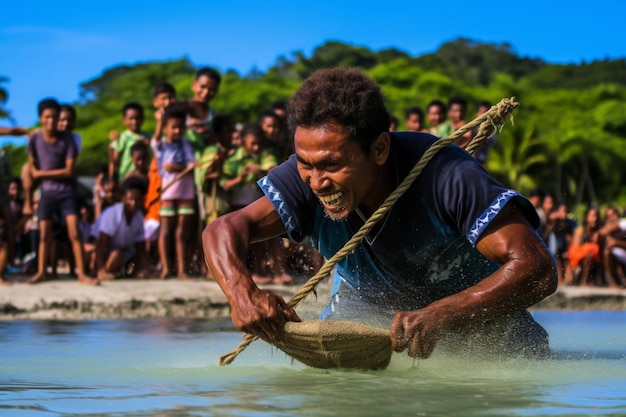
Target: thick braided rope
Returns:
[[489, 122]]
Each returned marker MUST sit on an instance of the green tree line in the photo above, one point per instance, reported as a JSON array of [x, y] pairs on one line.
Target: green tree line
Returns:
[[570, 128]]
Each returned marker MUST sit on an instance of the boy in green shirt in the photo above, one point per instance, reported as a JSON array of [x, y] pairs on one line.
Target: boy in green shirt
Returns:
[[120, 157]]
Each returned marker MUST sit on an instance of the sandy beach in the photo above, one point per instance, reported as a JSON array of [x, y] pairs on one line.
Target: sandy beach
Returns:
[[66, 299]]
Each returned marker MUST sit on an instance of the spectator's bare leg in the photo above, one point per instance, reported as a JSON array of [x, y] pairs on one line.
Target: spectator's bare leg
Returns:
[[29, 187], [45, 242], [166, 233], [77, 247], [182, 235], [4, 253], [115, 263]]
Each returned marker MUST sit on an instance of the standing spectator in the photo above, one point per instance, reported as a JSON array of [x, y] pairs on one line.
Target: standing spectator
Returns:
[[175, 161], [272, 140], [457, 110], [51, 157], [67, 123], [16, 204], [205, 87], [481, 154], [119, 234], [436, 115], [240, 173], [120, 161]]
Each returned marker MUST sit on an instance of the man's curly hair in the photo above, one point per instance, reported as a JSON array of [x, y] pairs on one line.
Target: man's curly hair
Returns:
[[342, 95]]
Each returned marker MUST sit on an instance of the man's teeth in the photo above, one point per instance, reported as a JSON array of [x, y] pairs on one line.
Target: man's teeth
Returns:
[[332, 199]]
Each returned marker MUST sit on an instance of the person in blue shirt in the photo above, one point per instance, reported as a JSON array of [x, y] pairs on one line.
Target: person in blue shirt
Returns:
[[454, 263]]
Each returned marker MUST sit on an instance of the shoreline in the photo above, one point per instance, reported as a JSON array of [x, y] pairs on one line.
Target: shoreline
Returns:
[[66, 299]]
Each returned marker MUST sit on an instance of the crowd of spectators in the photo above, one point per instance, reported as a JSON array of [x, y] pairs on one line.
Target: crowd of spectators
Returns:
[[588, 253], [150, 202]]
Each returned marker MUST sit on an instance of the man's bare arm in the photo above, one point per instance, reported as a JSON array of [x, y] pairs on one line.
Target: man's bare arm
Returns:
[[226, 242], [526, 276]]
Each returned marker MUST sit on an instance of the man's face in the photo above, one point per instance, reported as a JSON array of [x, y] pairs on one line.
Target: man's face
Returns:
[[133, 120], [49, 119], [66, 121], [340, 174], [413, 123], [174, 129], [204, 88], [435, 115], [133, 201], [271, 128]]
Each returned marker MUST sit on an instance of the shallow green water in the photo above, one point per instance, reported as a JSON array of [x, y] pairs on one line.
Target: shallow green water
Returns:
[[169, 368]]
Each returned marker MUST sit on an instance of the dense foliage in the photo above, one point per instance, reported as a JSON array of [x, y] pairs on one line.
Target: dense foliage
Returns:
[[568, 137]]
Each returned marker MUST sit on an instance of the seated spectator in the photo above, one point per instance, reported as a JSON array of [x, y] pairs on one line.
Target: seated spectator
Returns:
[[560, 232], [119, 234], [584, 252], [613, 239], [5, 223], [86, 224]]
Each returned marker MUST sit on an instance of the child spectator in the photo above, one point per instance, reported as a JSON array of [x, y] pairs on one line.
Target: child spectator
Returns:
[[175, 161], [119, 234], [120, 160], [210, 167], [436, 115], [140, 156], [106, 196], [414, 119], [164, 95], [457, 110], [272, 139], [67, 123], [148, 172], [204, 88], [247, 164], [51, 157], [240, 173]]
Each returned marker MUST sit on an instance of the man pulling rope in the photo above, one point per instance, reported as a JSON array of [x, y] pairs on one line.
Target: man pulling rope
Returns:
[[454, 263]]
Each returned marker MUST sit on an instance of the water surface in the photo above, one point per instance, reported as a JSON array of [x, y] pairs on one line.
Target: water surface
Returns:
[[167, 367]]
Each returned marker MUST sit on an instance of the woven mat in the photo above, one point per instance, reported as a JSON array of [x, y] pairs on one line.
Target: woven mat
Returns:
[[336, 344]]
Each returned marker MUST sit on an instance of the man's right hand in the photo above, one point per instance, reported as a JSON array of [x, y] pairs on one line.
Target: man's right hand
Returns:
[[262, 314]]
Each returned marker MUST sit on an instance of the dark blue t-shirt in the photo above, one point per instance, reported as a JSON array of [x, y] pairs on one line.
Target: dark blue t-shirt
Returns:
[[424, 249]]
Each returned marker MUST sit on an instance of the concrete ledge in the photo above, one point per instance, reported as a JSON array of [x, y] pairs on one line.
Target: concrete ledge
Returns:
[[66, 299]]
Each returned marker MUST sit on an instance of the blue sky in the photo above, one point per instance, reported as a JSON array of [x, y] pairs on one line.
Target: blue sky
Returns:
[[49, 48]]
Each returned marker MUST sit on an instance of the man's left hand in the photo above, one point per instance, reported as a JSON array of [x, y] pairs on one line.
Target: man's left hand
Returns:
[[419, 331]]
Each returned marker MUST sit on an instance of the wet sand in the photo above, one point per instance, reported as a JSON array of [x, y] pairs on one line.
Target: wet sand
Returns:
[[66, 299]]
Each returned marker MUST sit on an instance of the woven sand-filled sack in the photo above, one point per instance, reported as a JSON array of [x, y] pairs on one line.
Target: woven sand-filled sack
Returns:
[[336, 344]]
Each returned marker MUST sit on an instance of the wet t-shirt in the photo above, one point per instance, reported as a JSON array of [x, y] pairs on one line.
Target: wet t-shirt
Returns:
[[424, 248]]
